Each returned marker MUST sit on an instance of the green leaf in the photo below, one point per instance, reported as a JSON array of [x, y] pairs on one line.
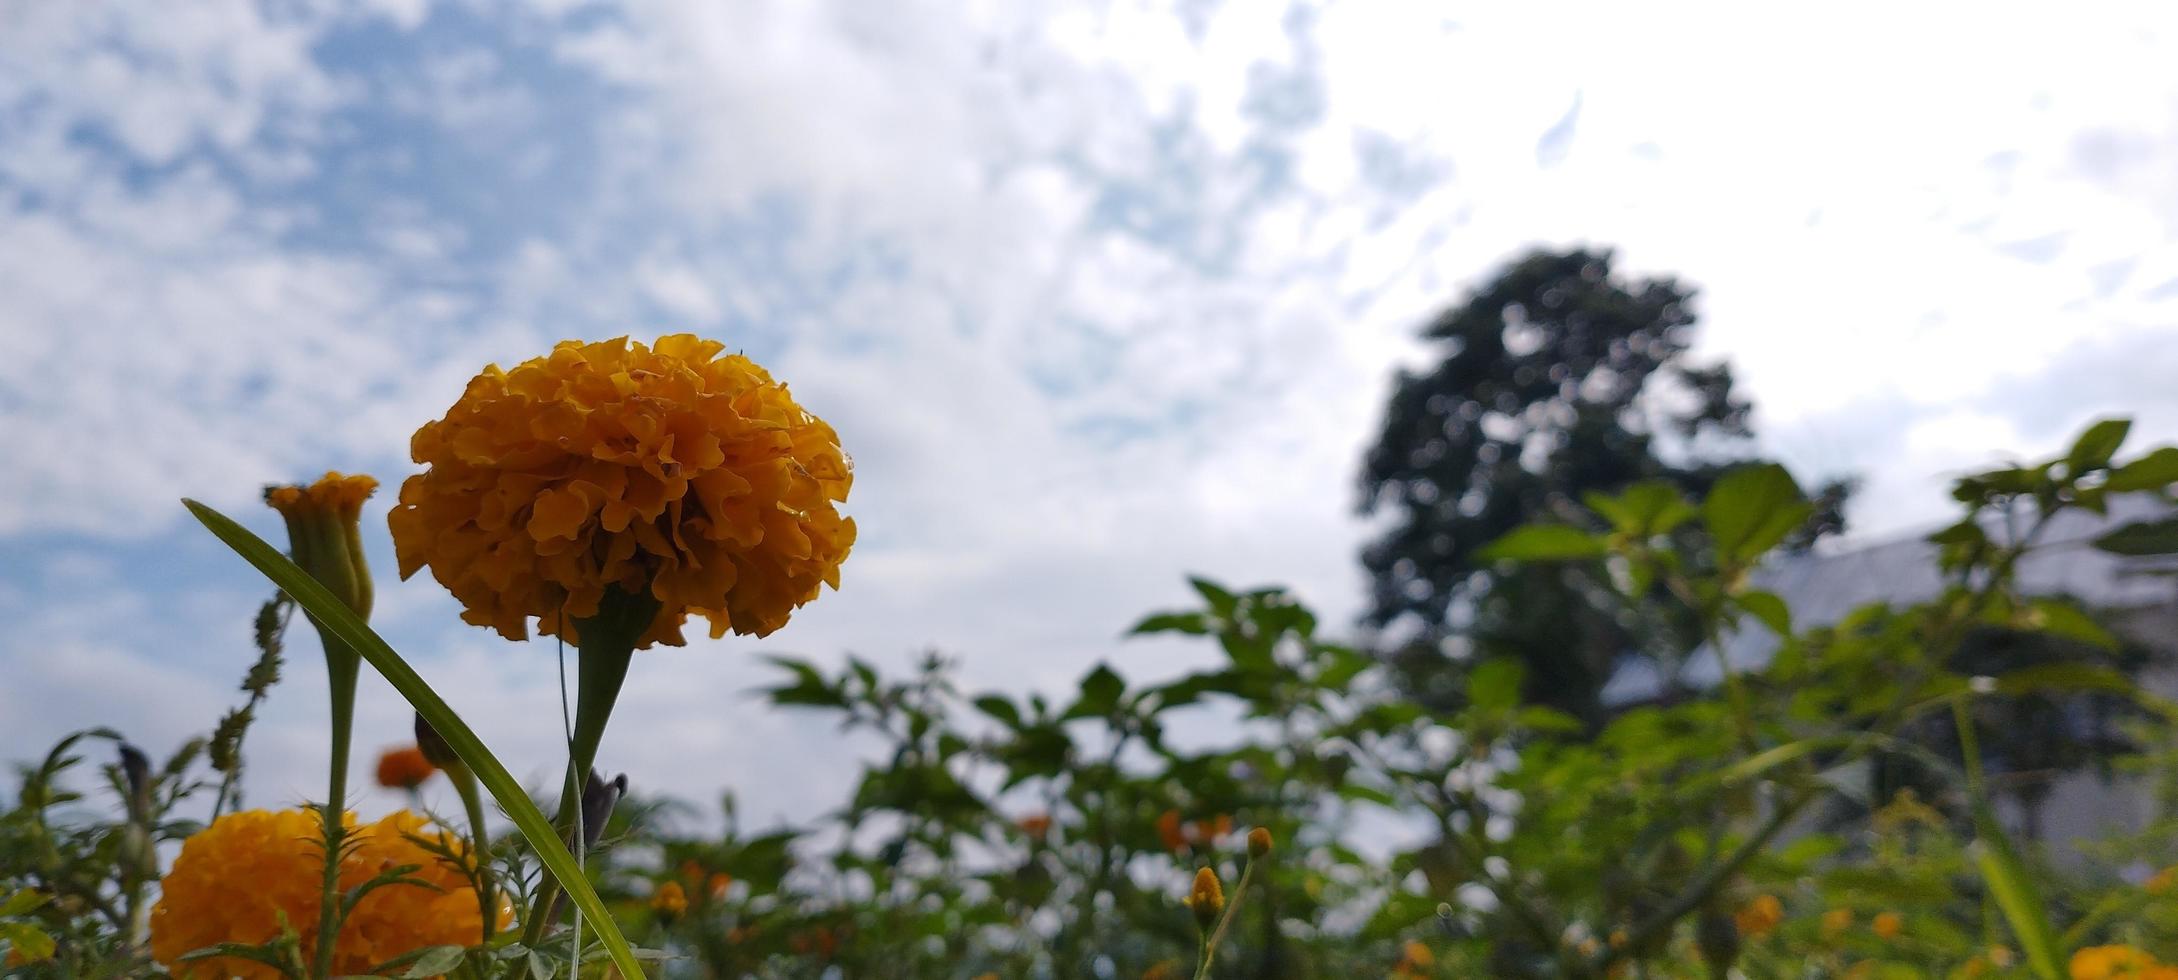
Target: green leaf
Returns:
[[2058, 617], [2065, 677], [1752, 509], [1494, 686], [2092, 451], [1768, 608], [2142, 538], [1172, 622], [335, 617], [27, 940], [2016, 896], [430, 961], [999, 708], [1644, 510], [2155, 471], [1221, 601], [1543, 542], [1100, 692], [22, 901]]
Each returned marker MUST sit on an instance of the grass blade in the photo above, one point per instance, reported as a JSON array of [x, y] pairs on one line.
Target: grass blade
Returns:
[[344, 623]]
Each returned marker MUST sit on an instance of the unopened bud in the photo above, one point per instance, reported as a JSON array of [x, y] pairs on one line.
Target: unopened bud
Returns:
[[1259, 843], [598, 799], [434, 746], [1206, 898], [136, 771]]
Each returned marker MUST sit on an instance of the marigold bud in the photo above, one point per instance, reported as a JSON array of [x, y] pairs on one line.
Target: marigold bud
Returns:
[[1259, 843], [323, 537], [1206, 898]]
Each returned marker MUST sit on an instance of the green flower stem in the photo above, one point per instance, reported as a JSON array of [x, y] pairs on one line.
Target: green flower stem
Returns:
[[341, 666], [606, 645], [1232, 911], [480, 845]]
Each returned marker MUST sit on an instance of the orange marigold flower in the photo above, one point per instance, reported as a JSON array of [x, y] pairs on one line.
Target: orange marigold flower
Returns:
[[1168, 830], [667, 467], [2161, 881], [1036, 825], [1208, 831], [404, 768], [720, 881], [1886, 925], [2118, 963], [1759, 916], [669, 901], [235, 879]]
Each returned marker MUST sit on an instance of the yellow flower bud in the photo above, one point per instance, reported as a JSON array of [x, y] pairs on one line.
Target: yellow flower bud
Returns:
[[1206, 898], [1259, 843]]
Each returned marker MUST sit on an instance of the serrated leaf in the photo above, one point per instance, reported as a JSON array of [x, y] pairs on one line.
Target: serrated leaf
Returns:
[[1543, 542]]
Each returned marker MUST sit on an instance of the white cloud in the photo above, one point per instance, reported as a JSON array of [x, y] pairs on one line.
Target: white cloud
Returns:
[[1096, 295]]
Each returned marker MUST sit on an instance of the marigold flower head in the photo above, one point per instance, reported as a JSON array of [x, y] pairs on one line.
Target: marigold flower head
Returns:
[[236, 879], [1206, 898], [669, 901], [404, 768], [1259, 843], [1759, 916], [1036, 825], [1886, 925], [720, 881], [667, 468], [323, 535], [2161, 882], [2118, 963]]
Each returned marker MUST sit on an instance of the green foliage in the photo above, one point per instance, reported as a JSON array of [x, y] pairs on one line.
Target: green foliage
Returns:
[[1559, 382], [1055, 836]]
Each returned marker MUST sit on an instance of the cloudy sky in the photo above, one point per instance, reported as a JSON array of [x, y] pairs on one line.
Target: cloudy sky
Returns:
[[1096, 296]]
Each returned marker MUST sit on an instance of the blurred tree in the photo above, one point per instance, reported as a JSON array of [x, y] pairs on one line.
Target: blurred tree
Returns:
[[1556, 379]]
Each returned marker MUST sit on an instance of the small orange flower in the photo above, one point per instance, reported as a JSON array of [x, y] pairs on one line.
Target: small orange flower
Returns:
[[719, 882], [2161, 882], [669, 901], [1036, 825], [1886, 925], [1415, 961], [1759, 916], [1168, 830], [1208, 831], [1836, 921], [404, 768]]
